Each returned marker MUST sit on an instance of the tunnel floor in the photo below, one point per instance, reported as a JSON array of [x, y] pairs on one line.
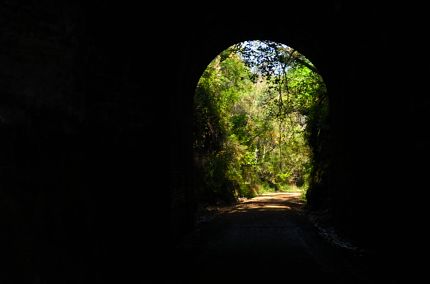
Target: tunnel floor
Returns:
[[267, 239]]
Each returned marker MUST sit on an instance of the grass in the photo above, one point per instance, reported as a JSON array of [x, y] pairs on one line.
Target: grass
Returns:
[[290, 188], [265, 188]]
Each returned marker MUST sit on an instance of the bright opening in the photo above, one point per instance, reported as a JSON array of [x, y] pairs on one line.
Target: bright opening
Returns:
[[260, 118]]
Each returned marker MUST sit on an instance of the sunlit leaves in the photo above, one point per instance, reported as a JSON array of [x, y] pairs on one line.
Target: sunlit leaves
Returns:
[[257, 107]]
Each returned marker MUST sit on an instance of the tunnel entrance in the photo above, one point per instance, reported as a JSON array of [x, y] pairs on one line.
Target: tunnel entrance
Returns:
[[260, 123]]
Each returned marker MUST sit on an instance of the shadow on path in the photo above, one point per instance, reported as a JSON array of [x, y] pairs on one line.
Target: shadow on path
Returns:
[[263, 240]]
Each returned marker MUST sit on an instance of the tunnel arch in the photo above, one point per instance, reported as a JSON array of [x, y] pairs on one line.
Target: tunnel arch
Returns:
[[314, 105], [320, 47], [340, 44], [117, 87]]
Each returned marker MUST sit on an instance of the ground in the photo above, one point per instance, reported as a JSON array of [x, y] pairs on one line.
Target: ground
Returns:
[[264, 239]]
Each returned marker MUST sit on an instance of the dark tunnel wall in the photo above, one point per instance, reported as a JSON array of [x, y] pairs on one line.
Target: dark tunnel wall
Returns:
[[353, 58], [96, 173], [377, 147], [78, 202]]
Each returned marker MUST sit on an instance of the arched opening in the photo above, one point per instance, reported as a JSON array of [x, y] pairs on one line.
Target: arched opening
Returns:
[[260, 133], [95, 123], [260, 124]]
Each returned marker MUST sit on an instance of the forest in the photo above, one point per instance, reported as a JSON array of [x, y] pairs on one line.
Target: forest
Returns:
[[261, 124]]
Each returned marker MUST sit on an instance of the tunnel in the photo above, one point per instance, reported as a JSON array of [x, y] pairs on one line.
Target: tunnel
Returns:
[[96, 173]]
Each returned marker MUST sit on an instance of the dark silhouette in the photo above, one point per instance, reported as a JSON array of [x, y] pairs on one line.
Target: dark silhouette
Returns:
[[96, 170]]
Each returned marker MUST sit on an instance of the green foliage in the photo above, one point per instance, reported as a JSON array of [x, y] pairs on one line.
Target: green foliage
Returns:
[[260, 109]]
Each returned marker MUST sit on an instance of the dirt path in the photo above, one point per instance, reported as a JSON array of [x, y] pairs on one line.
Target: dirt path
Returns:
[[261, 240]]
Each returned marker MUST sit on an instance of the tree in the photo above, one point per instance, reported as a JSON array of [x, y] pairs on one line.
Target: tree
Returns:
[[259, 109]]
